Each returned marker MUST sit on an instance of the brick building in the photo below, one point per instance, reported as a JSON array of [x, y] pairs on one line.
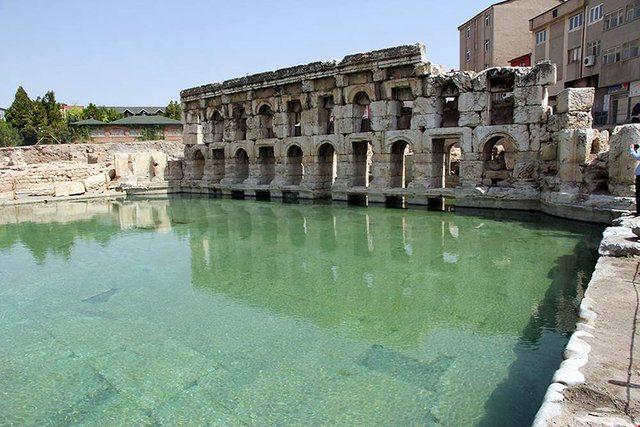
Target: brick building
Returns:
[[132, 128]]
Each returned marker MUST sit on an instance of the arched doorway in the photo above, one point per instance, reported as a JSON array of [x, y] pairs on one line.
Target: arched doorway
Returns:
[[267, 162], [242, 165], [265, 115], [198, 165], [362, 162], [295, 169], [401, 163], [362, 112], [327, 166], [499, 159], [217, 156]]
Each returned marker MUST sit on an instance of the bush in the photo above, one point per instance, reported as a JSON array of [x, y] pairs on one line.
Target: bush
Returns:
[[9, 136]]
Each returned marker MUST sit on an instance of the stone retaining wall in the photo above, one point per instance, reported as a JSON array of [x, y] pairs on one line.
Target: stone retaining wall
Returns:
[[53, 171]]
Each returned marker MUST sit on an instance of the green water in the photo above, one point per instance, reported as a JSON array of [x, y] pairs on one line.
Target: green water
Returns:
[[208, 311]]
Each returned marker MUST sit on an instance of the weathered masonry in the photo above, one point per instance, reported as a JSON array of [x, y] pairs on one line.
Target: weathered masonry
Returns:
[[388, 125]]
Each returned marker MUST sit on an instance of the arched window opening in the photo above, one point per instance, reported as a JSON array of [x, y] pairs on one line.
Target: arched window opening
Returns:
[[218, 126], [294, 113], [326, 116], [499, 159], [242, 165], [240, 121], [327, 166], [401, 164], [265, 115], [295, 168], [362, 112], [267, 161], [362, 162], [404, 97]]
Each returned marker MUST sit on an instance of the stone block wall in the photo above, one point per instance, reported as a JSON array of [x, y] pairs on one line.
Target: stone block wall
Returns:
[[388, 123], [77, 169]]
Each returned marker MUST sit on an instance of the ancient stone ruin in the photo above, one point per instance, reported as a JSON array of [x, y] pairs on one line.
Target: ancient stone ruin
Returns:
[[387, 125]]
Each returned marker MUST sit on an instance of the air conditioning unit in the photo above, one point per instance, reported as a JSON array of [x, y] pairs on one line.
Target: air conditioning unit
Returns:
[[590, 61]]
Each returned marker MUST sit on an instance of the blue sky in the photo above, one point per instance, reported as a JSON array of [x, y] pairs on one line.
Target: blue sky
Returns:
[[119, 52]]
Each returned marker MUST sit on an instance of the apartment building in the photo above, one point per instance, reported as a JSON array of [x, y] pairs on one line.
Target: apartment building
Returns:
[[594, 43], [499, 33]]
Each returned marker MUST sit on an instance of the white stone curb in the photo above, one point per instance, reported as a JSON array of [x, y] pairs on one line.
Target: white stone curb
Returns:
[[576, 355]]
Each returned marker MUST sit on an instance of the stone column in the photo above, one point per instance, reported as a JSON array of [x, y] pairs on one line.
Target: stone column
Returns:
[[621, 165]]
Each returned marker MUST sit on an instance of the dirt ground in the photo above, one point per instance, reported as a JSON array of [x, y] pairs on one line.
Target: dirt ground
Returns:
[[611, 393]]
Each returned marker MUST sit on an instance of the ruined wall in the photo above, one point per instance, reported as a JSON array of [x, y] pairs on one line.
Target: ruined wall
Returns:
[[389, 124], [76, 169]]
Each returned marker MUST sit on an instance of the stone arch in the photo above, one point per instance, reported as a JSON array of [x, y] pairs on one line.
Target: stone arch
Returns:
[[498, 153], [357, 90], [401, 164], [327, 165], [241, 165], [295, 167]]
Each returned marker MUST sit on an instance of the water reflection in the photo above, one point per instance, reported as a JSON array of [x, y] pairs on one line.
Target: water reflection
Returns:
[[420, 298]]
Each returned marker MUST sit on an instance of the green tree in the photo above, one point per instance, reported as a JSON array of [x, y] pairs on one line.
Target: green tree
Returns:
[[19, 115], [9, 136], [52, 109], [91, 111], [173, 110], [104, 114]]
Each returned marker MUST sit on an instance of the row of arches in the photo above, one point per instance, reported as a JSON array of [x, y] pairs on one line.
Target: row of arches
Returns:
[[498, 160], [361, 115]]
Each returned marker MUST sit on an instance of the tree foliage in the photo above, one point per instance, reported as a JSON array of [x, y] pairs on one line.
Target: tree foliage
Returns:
[[104, 114], [173, 110], [19, 115], [9, 136]]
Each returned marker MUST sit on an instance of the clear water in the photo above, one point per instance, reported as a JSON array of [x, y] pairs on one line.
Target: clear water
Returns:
[[208, 311]]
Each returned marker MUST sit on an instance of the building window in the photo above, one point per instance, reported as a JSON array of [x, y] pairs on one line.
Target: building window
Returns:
[[596, 13], [486, 45], [575, 22], [631, 49], [487, 20], [554, 13], [594, 48], [574, 55], [611, 55], [541, 37], [467, 56], [614, 19], [116, 132], [134, 132], [468, 32], [96, 132], [633, 11]]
